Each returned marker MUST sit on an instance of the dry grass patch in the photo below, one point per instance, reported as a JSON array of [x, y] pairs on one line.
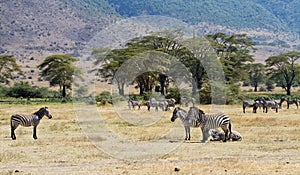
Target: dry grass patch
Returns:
[[270, 144]]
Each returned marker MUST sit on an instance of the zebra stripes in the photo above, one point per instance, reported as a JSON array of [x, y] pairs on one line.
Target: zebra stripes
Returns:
[[28, 120], [197, 118], [211, 121]]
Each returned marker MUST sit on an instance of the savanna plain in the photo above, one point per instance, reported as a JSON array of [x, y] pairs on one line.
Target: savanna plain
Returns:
[[270, 144]]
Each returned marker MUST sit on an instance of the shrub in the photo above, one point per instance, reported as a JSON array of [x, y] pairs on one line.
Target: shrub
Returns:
[[104, 98]]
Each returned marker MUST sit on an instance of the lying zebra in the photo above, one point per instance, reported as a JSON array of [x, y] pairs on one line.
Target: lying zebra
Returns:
[[218, 135], [28, 120], [197, 118]]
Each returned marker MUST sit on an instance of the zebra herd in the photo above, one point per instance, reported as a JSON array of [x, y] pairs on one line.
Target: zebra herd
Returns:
[[267, 103], [164, 104]]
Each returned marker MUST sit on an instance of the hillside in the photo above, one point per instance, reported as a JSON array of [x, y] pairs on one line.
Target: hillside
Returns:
[[31, 29], [238, 14]]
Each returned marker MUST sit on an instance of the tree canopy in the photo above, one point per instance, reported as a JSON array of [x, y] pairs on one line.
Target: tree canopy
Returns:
[[59, 70], [283, 69], [8, 66]]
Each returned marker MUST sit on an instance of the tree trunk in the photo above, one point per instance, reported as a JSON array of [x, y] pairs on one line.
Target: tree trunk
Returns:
[[162, 79], [64, 94], [255, 87]]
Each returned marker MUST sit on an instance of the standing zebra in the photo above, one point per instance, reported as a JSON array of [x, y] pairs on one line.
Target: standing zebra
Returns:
[[250, 104], [184, 101], [28, 120], [134, 103], [197, 118], [291, 101], [269, 102]]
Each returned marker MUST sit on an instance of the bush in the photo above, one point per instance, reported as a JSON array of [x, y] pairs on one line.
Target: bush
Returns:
[[104, 98], [173, 93], [23, 89]]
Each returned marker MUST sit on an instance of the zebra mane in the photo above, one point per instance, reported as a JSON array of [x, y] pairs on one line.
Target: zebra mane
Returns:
[[39, 112]]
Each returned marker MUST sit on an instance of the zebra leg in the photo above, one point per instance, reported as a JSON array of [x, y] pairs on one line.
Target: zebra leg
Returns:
[[189, 133], [205, 135], [186, 133], [13, 128], [13, 135], [34, 132]]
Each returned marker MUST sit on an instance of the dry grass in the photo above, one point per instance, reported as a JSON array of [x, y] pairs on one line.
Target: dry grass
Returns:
[[270, 145]]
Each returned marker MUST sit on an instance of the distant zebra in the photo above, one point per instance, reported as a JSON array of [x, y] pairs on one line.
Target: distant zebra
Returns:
[[197, 118], [280, 101], [134, 103], [269, 102], [184, 101], [253, 105], [293, 101], [163, 104], [171, 102], [28, 120]]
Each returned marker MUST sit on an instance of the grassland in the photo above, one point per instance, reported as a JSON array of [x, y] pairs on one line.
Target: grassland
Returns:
[[270, 144]]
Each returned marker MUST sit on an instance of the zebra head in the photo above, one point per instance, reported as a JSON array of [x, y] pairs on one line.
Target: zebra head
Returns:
[[46, 112], [178, 112]]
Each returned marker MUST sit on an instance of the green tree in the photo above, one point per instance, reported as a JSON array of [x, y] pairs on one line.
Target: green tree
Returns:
[[8, 66], [256, 72], [59, 70], [234, 53], [165, 42], [284, 69]]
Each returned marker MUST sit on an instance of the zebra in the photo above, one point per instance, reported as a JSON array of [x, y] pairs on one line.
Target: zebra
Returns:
[[134, 103], [269, 102], [187, 122], [280, 101], [211, 121], [197, 118], [171, 102], [28, 120], [218, 135], [186, 100], [254, 104], [293, 101], [163, 104]]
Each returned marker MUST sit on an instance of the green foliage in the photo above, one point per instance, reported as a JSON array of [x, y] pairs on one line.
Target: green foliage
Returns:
[[234, 53], [104, 98], [59, 70], [8, 66], [239, 14], [24, 90], [284, 70], [174, 92]]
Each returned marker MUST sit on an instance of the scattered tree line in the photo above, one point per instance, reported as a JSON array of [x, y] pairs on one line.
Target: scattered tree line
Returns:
[[233, 52], [159, 54]]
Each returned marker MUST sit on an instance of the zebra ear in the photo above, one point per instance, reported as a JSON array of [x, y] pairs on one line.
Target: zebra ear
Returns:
[[201, 112]]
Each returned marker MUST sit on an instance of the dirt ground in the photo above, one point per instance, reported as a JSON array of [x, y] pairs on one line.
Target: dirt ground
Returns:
[[71, 144]]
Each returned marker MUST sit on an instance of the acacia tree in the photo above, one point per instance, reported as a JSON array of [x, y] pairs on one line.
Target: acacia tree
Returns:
[[8, 66], [234, 53], [283, 69], [256, 72], [59, 70]]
